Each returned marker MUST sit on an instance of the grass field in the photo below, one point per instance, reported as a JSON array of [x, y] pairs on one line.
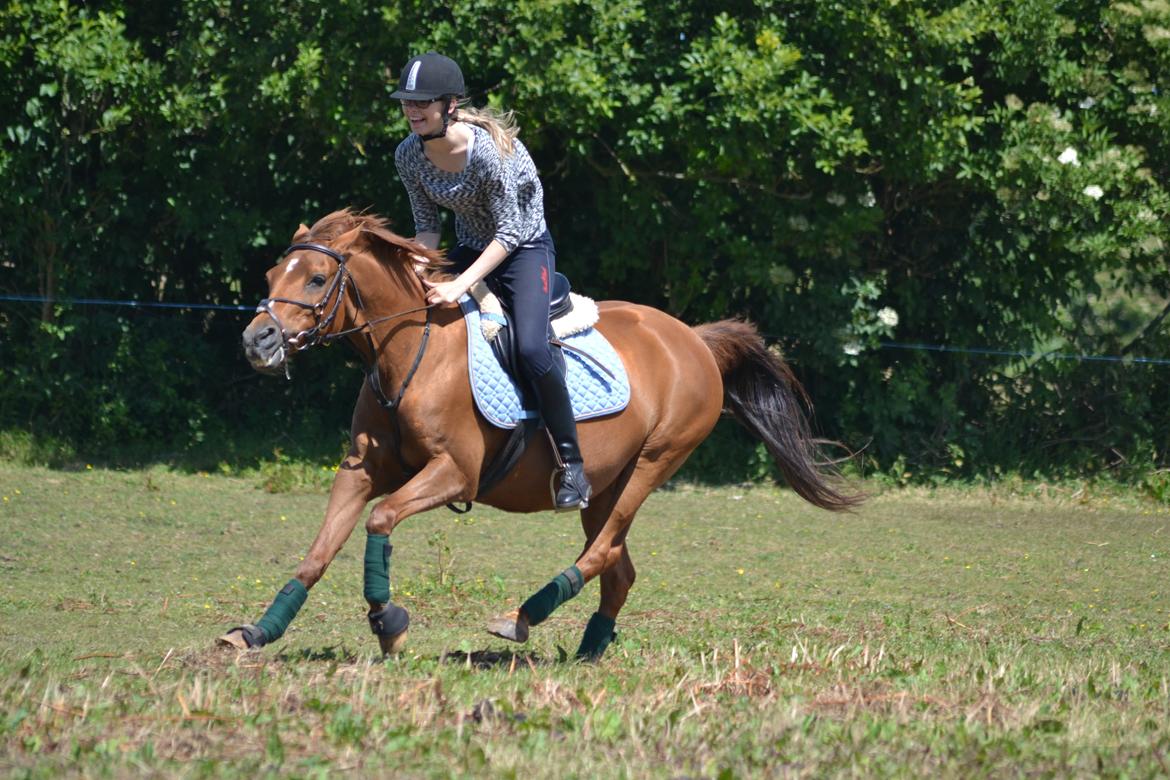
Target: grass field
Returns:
[[956, 632]]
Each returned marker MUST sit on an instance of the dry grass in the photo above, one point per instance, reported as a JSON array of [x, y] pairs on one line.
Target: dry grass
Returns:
[[934, 633]]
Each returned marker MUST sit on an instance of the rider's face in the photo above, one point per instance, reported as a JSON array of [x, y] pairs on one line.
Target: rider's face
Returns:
[[425, 117]]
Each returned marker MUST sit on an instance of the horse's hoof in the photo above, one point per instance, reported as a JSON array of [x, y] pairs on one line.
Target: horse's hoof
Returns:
[[233, 638], [392, 645], [511, 626]]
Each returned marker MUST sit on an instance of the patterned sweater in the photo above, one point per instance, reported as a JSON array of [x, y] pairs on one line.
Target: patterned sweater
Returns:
[[493, 197]]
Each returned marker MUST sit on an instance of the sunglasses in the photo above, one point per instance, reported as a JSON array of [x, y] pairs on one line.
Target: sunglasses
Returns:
[[419, 103]]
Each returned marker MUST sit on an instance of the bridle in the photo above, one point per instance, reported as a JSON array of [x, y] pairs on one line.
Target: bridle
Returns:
[[307, 338], [342, 282]]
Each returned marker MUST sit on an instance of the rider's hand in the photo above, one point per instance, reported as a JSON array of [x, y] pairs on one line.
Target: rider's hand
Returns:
[[444, 292]]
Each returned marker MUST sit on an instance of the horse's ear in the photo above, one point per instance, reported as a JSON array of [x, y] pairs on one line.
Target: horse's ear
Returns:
[[301, 234], [346, 240]]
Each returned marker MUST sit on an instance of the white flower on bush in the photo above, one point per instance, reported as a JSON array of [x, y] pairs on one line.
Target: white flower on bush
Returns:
[[867, 200], [798, 223], [1069, 157], [888, 317], [835, 199], [851, 348], [1087, 103], [1093, 191]]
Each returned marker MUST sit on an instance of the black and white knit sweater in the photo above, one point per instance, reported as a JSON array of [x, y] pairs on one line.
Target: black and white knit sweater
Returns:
[[493, 197]]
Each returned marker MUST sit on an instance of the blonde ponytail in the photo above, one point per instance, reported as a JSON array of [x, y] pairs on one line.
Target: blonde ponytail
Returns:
[[501, 125]]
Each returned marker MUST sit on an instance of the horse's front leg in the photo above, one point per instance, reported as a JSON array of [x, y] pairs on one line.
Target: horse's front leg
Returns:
[[439, 483], [352, 489]]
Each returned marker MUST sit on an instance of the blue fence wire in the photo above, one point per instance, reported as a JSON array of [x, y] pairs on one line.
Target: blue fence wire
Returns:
[[1027, 354], [884, 345], [131, 304]]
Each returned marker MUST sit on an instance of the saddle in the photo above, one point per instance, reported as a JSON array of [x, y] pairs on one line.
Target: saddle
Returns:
[[496, 324], [597, 380]]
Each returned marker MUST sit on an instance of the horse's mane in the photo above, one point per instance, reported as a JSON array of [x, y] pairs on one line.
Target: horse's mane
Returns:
[[331, 226]]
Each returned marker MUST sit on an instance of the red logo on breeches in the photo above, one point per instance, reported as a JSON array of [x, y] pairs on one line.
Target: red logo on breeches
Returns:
[[544, 280]]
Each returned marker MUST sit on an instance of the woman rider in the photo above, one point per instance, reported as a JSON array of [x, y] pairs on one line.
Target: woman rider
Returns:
[[470, 162]]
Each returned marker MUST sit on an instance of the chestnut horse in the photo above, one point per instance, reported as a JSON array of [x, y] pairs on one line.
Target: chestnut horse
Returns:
[[351, 278]]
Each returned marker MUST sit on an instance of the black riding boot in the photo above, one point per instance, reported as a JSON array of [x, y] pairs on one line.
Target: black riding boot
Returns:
[[557, 412]]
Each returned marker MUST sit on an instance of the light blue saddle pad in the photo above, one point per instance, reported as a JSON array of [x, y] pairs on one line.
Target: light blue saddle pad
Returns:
[[592, 392]]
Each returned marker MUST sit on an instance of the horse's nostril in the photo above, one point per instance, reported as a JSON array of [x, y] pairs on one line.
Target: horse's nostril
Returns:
[[264, 336], [260, 337]]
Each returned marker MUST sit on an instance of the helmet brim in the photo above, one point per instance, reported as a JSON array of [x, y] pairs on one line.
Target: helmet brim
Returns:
[[402, 94]]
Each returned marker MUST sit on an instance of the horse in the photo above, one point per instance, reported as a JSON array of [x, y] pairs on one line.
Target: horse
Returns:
[[418, 442]]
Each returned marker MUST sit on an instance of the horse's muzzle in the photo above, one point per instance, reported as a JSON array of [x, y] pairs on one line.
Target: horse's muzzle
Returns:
[[264, 346]]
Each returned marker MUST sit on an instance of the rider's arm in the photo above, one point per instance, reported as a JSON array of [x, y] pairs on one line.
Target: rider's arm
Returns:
[[488, 259], [449, 292], [424, 210]]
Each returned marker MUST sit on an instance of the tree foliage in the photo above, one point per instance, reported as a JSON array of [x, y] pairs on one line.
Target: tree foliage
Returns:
[[979, 174]]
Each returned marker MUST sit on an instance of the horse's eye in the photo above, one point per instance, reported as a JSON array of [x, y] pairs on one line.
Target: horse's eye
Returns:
[[317, 281]]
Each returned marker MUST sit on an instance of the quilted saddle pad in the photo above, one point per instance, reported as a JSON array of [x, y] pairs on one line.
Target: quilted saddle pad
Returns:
[[593, 392]]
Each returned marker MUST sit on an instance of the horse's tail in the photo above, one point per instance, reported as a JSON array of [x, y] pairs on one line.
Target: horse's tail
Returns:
[[765, 396]]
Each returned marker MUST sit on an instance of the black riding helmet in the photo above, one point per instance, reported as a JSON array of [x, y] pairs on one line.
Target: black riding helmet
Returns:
[[431, 76], [428, 77]]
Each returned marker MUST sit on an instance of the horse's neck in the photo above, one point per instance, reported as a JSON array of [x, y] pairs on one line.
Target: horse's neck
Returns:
[[388, 290]]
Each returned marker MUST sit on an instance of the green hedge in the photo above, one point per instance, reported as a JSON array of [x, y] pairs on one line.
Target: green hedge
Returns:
[[972, 174]]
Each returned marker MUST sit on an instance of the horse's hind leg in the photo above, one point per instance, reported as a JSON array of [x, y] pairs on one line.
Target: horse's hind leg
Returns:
[[514, 625], [606, 522], [615, 586]]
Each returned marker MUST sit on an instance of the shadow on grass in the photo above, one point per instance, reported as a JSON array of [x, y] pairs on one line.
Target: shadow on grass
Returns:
[[481, 660], [333, 654], [490, 659]]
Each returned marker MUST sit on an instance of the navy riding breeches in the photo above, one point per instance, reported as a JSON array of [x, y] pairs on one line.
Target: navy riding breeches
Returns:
[[522, 282]]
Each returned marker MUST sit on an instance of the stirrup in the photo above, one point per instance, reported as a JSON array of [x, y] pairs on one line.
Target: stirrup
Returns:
[[570, 490]]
